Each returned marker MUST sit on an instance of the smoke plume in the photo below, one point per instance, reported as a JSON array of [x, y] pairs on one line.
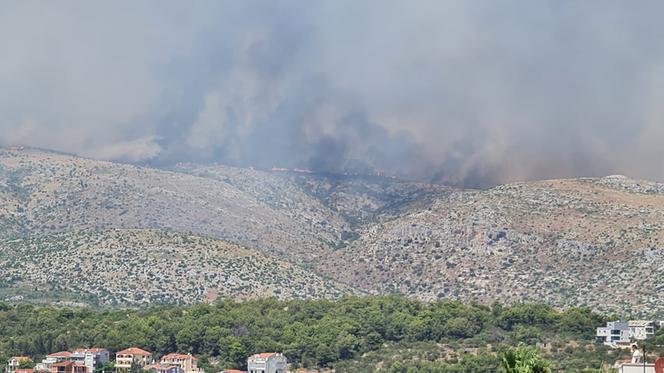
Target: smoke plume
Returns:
[[463, 91]]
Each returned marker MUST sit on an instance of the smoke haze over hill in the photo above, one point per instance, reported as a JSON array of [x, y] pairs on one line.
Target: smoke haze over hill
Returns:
[[467, 92]]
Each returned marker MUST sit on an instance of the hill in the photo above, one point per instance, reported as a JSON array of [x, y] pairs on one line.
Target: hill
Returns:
[[585, 242], [138, 267], [594, 242]]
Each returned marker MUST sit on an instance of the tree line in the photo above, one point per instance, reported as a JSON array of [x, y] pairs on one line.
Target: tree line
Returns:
[[311, 333]]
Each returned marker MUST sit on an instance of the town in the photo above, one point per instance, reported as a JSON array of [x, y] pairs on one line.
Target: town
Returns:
[[618, 334], [132, 360]]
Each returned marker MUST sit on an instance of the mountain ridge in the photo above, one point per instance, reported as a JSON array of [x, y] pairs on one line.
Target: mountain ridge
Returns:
[[567, 242]]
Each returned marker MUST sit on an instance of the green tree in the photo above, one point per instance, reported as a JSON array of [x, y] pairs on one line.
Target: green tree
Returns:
[[523, 360]]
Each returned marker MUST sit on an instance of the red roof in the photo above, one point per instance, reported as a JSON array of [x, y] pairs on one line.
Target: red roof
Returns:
[[134, 351], [176, 356], [60, 354], [24, 370]]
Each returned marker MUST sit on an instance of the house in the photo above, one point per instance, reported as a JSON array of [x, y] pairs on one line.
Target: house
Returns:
[[185, 361], [132, 356], [68, 366], [623, 333], [233, 371], [642, 329], [15, 362], [54, 358], [159, 368], [614, 333], [268, 362], [91, 357]]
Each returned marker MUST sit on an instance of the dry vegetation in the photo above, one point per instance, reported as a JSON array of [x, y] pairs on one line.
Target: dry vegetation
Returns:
[[134, 267], [585, 242]]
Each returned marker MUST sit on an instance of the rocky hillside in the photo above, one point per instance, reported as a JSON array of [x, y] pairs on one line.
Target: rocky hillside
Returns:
[[586, 242], [595, 242], [134, 267]]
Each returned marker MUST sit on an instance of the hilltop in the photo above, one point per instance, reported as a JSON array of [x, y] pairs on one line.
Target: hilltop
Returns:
[[594, 242]]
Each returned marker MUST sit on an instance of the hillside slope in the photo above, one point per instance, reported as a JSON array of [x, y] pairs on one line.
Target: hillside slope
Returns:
[[594, 241], [48, 192], [134, 267], [585, 242]]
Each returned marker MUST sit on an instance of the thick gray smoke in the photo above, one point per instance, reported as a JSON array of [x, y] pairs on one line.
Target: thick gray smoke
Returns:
[[467, 92]]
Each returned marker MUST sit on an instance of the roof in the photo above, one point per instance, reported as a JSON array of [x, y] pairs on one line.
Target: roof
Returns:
[[24, 370], [21, 358], [233, 371], [60, 354], [176, 356], [265, 355], [640, 323], [159, 367], [134, 351], [93, 350]]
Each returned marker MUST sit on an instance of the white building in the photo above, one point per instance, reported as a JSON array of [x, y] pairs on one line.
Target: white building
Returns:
[[91, 357], [15, 362], [51, 359], [626, 332], [615, 333], [642, 329], [636, 368], [270, 362]]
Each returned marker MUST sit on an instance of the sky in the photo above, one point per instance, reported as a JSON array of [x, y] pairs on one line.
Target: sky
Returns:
[[466, 92]]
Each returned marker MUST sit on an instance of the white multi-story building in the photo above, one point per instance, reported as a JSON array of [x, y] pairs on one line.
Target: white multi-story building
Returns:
[[615, 333], [642, 329], [54, 358], [91, 357], [269, 362], [626, 332]]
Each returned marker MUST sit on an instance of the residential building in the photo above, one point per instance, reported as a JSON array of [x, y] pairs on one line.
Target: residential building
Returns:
[[269, 362], [614, 333], [185, 361], [91, 357], [642, 329], [68, 366], [15, 362], [25, 370], [160, 368], [617, 333], [51, 359], [233, 371], [132, 356]]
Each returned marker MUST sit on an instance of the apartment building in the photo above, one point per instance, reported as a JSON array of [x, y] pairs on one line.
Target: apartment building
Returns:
[[124, 359]]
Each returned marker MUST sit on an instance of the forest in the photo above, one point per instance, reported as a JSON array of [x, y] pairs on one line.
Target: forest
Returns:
[[350, 334]]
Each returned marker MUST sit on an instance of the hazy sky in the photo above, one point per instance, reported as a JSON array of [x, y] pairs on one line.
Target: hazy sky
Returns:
[[469, 92]]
